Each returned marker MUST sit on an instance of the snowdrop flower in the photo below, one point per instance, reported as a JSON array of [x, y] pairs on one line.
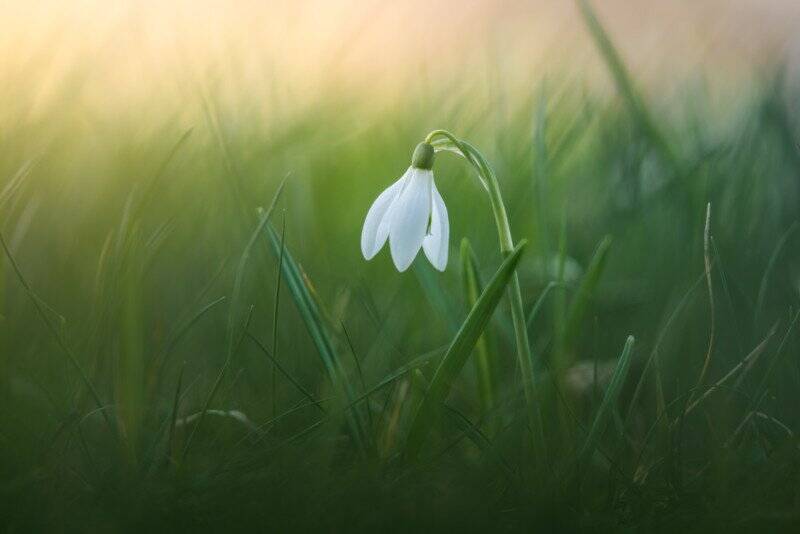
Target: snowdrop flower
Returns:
[[411, 215]]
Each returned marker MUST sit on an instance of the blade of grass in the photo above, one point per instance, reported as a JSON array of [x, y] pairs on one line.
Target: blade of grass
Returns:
[[625, 85], [541, 170], [360, 373], [537, 306], [311, 316], [460, 349], [157, 372], [56, 333], [764, 384], [711, 307], [773, 259], [560, 299], [275, 312], [723, 277], [653, 357], [213, 392], [580, 303], [609, 399], [241, 268], [307, 394], [151, 187], [174, 413], [745, 365], [234, 341], [184, 329], [472, 291]]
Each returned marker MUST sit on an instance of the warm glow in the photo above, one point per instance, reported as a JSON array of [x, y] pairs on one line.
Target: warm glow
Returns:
[[125, 49]]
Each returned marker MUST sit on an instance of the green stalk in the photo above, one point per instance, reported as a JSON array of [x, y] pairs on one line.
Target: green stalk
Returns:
[[472, 291], [492, 186]]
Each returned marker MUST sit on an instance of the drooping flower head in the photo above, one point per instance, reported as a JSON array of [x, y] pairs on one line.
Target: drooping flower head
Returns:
[[411, 214]]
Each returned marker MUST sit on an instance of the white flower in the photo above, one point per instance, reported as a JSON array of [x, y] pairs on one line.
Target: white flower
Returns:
[[411, 215]]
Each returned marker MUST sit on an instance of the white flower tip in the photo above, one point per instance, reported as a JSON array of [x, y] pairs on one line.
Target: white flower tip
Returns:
[[367, 251], [437, 243], [403, 263]]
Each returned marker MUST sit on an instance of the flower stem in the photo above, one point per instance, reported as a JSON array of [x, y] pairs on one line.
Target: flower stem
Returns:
[[524, 353]]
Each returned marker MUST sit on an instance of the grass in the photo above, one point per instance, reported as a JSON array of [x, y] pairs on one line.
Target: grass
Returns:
[[190, 339]]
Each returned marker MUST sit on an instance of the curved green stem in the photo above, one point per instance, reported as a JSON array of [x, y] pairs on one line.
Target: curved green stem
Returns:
[[492, 185]]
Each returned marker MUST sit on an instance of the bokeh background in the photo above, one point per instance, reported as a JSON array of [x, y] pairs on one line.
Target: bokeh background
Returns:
[[138, 140]]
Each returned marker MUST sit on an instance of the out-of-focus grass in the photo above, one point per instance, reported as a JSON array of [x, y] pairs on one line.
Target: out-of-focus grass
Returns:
[[130, 227]]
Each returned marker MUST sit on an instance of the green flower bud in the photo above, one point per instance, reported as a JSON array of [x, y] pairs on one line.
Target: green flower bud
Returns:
[[423, 157]]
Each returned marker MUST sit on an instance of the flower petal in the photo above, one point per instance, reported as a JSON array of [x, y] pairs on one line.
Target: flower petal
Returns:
[[410, 214], [376, 229], [437, 243]]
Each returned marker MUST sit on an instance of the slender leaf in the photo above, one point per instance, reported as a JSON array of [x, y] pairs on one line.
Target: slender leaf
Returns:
[[315, 325], [460, 349], [580, 303], [234, 314], [636, 104], [472, 290], [612, 393]]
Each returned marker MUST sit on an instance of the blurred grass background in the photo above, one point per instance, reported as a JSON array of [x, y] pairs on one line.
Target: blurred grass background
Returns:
[[138, 143]]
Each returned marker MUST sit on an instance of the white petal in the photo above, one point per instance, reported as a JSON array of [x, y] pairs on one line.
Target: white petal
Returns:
[[410, 214], [437, 244], [376, 227]]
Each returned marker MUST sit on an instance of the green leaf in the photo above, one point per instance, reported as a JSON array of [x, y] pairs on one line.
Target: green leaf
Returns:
[[460, 348], [622, 78], [612, 393], [312, 317], [773, 259], [235, 333], [237, 306], [583, 297], [472, 290]]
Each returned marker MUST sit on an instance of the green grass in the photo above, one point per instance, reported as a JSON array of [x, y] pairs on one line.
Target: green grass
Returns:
[[191, 340]]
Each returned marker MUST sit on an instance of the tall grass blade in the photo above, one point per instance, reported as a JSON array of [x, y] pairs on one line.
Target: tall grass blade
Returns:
[[744, 366], [234, 316], [711, 306], [472, 291], [609, 399], [275, 310], [184, 328], [312, 317], [460, 349], [773, 259], [622, 78], [537, 306], [652, 359], [174, 413], [56, 333], [152, 185], [764, 383], [278, 367], [235, 336], [360, 372], [580, 303]]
